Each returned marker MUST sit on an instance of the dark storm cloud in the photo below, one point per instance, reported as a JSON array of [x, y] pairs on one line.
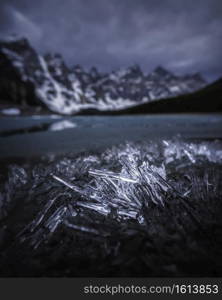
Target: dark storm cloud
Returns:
[[184, 36]]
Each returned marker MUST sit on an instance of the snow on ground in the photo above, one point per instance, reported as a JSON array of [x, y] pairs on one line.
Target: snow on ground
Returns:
[[11, 111]]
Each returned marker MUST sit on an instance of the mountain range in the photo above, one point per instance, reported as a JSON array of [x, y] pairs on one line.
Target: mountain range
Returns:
[[30, 79]]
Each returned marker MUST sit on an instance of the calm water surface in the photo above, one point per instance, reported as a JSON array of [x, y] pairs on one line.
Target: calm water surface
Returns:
[[92, 133]]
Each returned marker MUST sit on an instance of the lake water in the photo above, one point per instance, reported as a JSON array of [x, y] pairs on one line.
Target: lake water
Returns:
[[93, 133]]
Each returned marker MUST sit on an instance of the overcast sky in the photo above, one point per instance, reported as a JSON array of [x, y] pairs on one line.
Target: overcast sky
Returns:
[[182, 35]]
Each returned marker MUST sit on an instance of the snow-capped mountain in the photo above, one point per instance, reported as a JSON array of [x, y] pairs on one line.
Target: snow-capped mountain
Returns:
[[29, 78]]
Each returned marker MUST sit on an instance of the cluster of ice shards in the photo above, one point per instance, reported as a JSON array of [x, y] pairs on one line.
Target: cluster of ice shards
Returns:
[[118, 183], [190, 153]]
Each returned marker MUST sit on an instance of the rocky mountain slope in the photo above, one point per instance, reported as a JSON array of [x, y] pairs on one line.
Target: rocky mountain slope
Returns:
[[206, 100], [31, 79]]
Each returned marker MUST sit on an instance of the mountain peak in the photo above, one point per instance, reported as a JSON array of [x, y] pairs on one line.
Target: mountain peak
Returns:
[[94, 72], [78, 69], [15, 39], [161, 71], [134, 70], [199, 77]]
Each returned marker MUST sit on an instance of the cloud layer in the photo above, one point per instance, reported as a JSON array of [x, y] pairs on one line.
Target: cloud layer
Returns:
[[184, 36]]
